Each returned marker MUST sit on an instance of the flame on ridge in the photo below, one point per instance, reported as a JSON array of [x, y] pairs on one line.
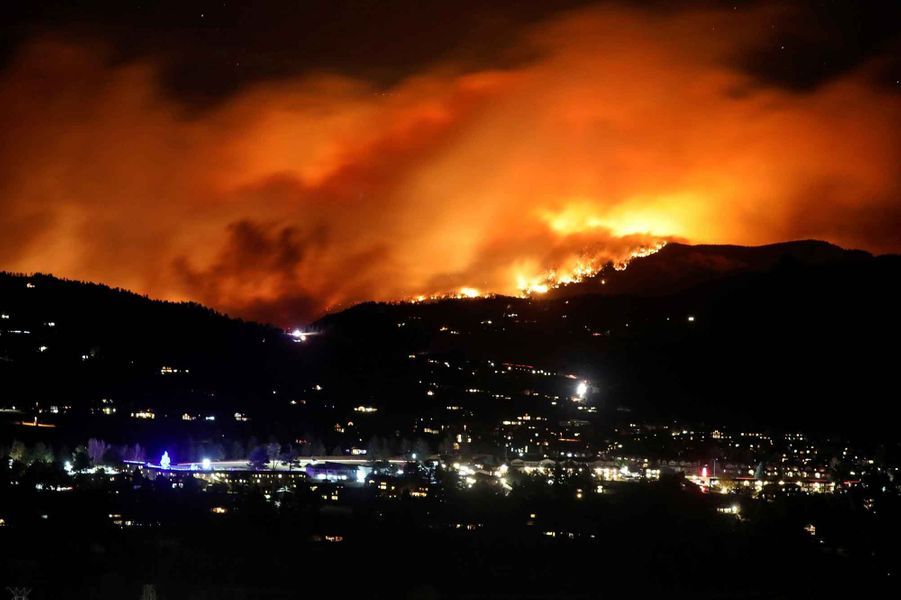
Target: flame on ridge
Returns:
[[584, 268]]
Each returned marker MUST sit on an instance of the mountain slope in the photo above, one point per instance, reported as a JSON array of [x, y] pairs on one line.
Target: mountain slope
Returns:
[[71, 343], [792, 335], [677, 267]]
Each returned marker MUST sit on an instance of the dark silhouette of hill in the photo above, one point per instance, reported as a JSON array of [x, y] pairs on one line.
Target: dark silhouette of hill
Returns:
[[73, 343], [799, 335], [789, 335], [676, 266]]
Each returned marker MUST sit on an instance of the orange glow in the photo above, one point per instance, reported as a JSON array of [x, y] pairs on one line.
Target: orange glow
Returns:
[[579, 269], [298, 196]]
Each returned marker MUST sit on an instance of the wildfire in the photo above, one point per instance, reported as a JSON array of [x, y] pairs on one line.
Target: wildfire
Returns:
[[459, 178], [583, 269], [537, 285], [640, 253], [460, 294]]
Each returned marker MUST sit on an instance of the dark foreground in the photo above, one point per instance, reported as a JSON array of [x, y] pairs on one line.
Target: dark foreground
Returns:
[[641, 540]]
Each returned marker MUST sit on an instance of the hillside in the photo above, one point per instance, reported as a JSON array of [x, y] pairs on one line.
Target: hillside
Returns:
[[677, 267], [785, 335], [67, 343], [789, 334]]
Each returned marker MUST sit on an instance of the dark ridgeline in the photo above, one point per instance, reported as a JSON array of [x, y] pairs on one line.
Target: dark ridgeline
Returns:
[[103, 340], [787, 335], [677, 267], [798, 334]]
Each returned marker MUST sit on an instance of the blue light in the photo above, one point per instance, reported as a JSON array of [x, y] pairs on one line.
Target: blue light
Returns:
[[165, 461]]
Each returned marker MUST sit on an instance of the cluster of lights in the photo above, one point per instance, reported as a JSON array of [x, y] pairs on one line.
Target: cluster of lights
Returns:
[[167, 370]]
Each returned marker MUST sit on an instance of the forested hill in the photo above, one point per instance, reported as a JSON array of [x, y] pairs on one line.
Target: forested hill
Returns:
[[784, 335], [68, 342], [791, 334]]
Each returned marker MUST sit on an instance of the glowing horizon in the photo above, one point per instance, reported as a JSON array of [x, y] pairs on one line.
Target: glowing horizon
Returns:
[[297, 196]]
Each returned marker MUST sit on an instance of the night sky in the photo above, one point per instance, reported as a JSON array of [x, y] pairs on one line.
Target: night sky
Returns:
[[278, 159]]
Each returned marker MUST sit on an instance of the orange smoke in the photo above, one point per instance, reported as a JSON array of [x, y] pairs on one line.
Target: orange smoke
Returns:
[[295, 197]]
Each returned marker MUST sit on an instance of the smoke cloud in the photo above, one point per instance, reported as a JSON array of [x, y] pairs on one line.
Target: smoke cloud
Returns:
[[302, 195]]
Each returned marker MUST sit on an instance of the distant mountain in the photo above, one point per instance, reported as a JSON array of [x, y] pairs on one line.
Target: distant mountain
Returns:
[[676, 267], [799, 334], [67, 343]]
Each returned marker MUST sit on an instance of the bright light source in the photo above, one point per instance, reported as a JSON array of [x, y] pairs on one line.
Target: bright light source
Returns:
[[691, 318], [581, 389], [206, 464], [165, 461]]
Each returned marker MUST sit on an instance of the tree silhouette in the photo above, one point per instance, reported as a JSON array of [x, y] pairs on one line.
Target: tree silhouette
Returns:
[[273, 451], [258, 457]]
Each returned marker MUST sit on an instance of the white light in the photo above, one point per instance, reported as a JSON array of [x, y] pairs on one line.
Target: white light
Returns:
[[581, 389], [207, 464], [165, 461]]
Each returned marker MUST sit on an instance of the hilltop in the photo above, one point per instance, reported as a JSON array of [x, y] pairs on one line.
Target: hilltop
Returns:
[[781, 335]]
